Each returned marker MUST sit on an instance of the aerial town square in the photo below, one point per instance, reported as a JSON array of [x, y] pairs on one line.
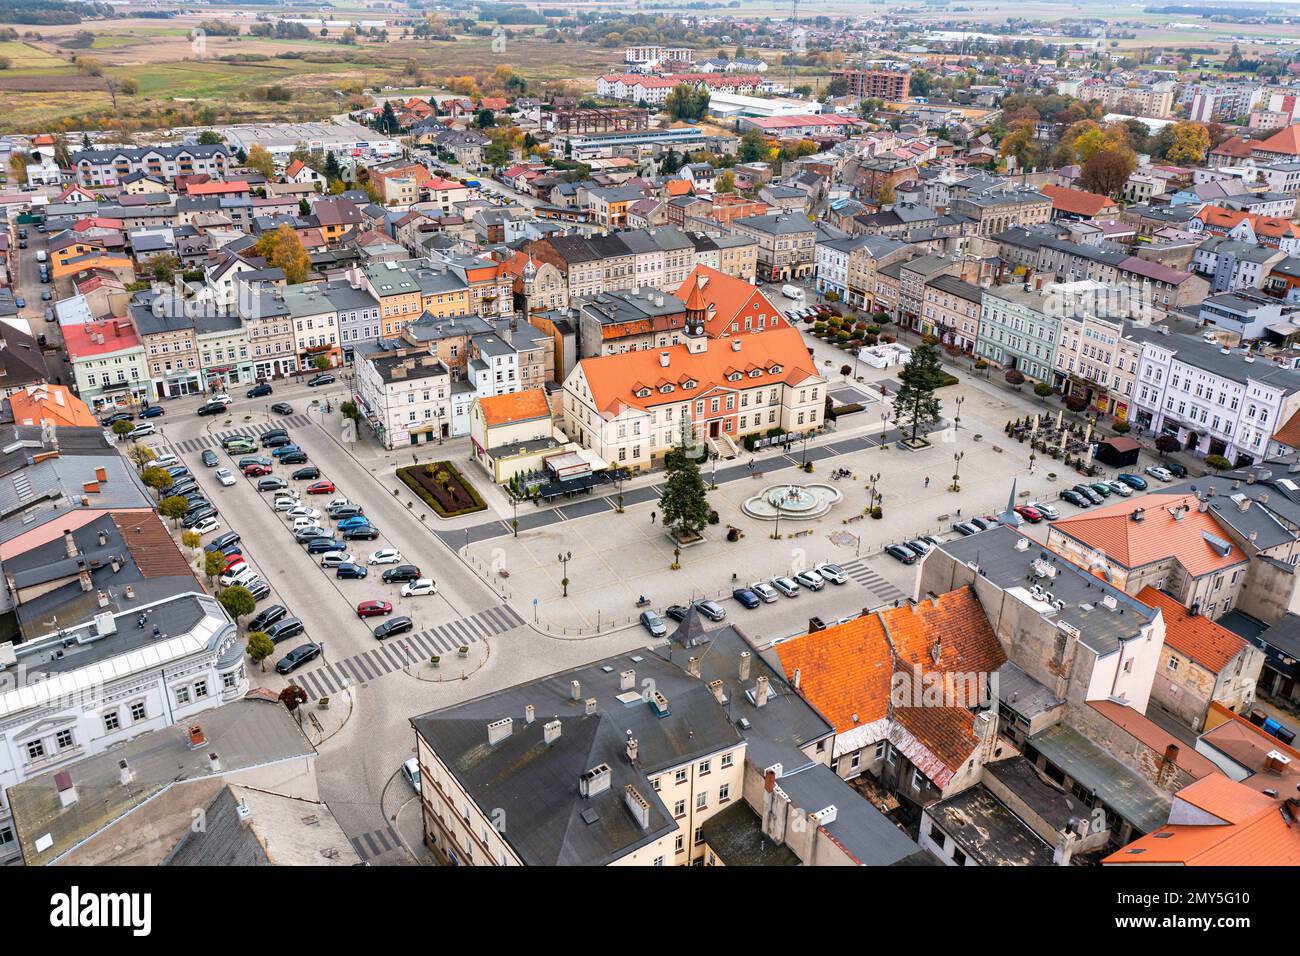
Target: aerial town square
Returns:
[[738, 434]]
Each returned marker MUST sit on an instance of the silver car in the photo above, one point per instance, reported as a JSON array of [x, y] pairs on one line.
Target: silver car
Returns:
[[786, 586], [811, 580], [764, 592]]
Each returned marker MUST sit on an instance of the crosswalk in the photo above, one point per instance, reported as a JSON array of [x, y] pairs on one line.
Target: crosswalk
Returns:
[[252, 431], [398, 652], [867, 576], [376, 843]]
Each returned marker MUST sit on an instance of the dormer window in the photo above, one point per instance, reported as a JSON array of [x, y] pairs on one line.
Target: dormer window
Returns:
[[665, 389], [755, 372], [689, 383], [776, 369], [642, 392], [733, 377]]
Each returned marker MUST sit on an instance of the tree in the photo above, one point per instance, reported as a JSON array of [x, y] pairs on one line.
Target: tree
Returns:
[[214, 562], [1191, 141], [485, 118], [670, 163], [1167, 444], [915, 405], [174, 507], [322, 362], [388, 119], [141, 455], [260, 159], [191, 539], [293, 697], [237, 601], [209, 138], [726, 182], [684, 505], [1107, 171], [886, 194], [157, 479], [163, 267], [1042, 389], [259, 648], [687, 102], [753, 147], [283, 248], [122, 428]]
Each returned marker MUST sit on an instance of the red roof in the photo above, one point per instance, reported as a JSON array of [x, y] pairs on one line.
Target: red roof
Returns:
[[1285, 142], [82, 340], [1078, 202]]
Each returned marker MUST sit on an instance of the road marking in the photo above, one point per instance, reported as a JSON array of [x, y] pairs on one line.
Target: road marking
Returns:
[[868, 577]]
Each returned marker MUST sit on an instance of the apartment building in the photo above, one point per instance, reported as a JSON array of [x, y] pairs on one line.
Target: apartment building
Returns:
[[1156, 100], [951, 311], [626, 321], [1000, 208], [108, 363], [876, 84], [863, 261], [786, 245], [1018, 331], [404, 396], [108, 167], [270, 334]]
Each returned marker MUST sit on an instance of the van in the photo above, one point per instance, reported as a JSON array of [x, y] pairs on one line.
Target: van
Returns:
[[792, 292], [41, 255]]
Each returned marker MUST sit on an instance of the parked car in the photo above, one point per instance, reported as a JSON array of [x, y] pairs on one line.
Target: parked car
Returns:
[[1159, 473], [293, 458], [310, 534], [267, 616], [653, 623], [1087, 492], [764, 592], [374, 608], [364, 533], [675, 612], [832, 573], [167, 463], [209, 458], [110, 420], [276, 441], [297, 657], [810, 580], [271, 484], [302, 511], [211, 408], [786, 586], [984, 523], [344, 511], [287, 627], [711, 609], [403, 572], [321, 488], [411, 771], [310, 473], [900, 553], [190, 519], [1175, 469], [325, 545], [1121, 489], [282, 408], [918, 547], [965, 528], [256, 471], [351, 572], [395, 625], [145, 428], [259, 390], [258, 588], [419, 588], [1046, 510], [332, 559], [384, 556], [1074, 498], [149, 411], [238, 446], [223, 541], [1029, 513], [746, 598], [285, 503], [318, 380], [358, 521], [1136, 482], [1102, 488], [234, 558], [207, 526], [235, 576]]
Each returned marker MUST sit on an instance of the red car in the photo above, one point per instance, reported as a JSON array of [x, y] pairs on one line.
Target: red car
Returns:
[[256, 471], [321, 488], [232, 560], [1032, 515], [373, 608]]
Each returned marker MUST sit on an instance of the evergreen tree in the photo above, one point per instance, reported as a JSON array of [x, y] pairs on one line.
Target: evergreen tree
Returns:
[[684, 505], [915, 404], [388, 119]]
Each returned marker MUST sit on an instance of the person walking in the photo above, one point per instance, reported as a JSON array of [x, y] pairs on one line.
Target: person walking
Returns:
[[652, 517], [927, 481]]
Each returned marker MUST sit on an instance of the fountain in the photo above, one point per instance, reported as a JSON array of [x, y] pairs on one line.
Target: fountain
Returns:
[[791, 501]]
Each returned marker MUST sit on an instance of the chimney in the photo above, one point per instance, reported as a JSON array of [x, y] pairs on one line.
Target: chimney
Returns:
[[214, 762], [594, 781], [124, 774], [769, 780], [551, 731], [797, 675], [69, 544], [631, 749], [1168, 767], [1276, 762], [744, 665], [499, 730], [589, 706], [638, 806], [528, 713], [101, 474], [67, 792], [90, 487], [716, 688], [102, 598], [760, 691], [197, 737], [130, 593], [693, 667], [626, 680], [103, 539], [663, 359]]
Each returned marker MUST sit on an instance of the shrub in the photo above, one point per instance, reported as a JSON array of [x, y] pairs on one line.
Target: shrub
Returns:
[[1217, 462], [1014, 377], [1122, 428], [430, 483], [1042, 390], [1167, 444]]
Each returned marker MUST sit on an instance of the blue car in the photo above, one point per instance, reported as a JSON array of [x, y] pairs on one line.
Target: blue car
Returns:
[[352, 571], [360, 521], [285, 450], [153, 411], [746, 597], [1136, 482]]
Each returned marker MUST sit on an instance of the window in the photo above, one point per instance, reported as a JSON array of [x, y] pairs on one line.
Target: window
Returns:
[[704, 767], [918, 781], [679, 843], [702, 800], [724, 793], [182, 695], [35, 749], [64, 739], [680, 775], [139, 711], [659, 861], [679, 808], [699, 836], [111, 720]]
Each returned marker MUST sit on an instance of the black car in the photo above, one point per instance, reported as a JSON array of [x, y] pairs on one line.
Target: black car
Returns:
[[286, 627], [282, 408], [394, 625], [116, 417], [271, 484], [258, 588], [276, 441], [1074, 498], [257, 391], [900, 553], [317, 380], [183, 489], [403, 572], [211, 408], [209, 458], [153, 411], [675, 612], [294, 458], [1174, 468], [267, 616], [310, 473], [223, 541], [196, 499], [746, 597], [297, 657], [192, 518], [366, 533], [325, 545]]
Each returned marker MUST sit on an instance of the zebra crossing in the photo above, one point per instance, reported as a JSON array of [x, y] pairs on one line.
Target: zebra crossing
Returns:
[[376, 843], [867, 576], [388, 656], [252, 431]]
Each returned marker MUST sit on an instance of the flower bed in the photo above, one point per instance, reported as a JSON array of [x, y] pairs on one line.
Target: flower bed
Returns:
[[443, 488]]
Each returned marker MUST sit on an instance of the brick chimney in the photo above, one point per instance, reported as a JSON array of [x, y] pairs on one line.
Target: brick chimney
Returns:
[[197, 737]]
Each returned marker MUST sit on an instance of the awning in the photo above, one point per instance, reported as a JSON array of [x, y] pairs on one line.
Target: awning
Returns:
[[595, 461]]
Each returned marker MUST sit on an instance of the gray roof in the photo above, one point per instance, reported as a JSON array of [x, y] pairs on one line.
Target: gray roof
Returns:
[[781, 224], [987, 832], [1198, 353], [1023, 694]]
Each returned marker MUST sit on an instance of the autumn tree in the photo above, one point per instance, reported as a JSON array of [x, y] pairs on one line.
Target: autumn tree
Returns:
[[283, 249], [1107, 171], [260, 159], [1191, 141]]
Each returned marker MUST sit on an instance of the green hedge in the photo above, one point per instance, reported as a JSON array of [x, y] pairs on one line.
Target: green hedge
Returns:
[[408, 478]]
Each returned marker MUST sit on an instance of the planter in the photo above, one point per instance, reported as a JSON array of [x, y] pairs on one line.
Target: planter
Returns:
[[435, 660], [463, 650]]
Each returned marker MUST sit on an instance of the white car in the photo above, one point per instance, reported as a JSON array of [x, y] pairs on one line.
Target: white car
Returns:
[[286, 504], [146, 428], [832, 572], [207, 526], [336, 503], [411, 771], [239, 574], [164, 461], [225, 476], [332, 559], [223, 398], [1155, 471], [385, 556], [419, 587], [302, 511], [300, 523], [1050, 513], [764, 592]]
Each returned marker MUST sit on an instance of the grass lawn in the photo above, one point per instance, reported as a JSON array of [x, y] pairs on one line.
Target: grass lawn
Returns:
[[24, 56]]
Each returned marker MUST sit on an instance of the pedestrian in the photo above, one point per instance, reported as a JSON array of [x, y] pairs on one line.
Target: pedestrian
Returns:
[[927, 481], [652, 517], [733, 575], [958, 512]]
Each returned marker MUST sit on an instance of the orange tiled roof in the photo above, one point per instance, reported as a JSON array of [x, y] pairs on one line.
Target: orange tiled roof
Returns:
[[1266, 227], [1133, 544], [1289, 434], [1250, 830], [678, 187], [1209, 644], [615, 379], [846, 671], [1285, 141], [729, 299], [1155, 737], [514, 407], [36, 404], [1077, 201]]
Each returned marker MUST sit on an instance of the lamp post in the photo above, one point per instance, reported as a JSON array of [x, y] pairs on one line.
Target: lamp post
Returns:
[[885, 415], [564, 560], [956, 422], [804, 466], [874, 478], [956, 469]]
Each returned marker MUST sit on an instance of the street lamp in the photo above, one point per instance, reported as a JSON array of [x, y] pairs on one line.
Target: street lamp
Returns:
[[956, 469], [885, 415], [564, 560], [956, 422], [805, 452], [874, 478]]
